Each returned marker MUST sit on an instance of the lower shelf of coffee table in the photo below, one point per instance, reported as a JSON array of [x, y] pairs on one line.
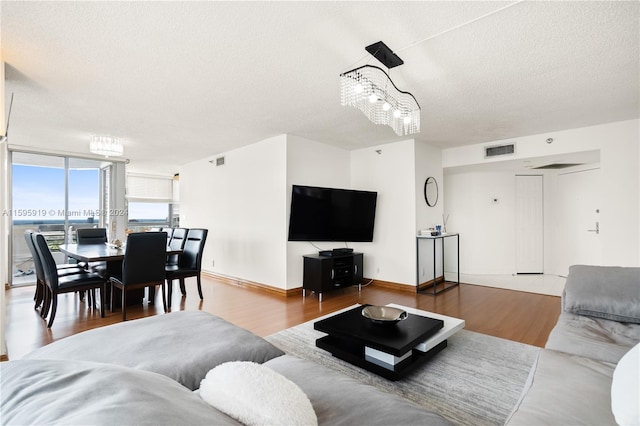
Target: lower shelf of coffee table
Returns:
[[353, 353]]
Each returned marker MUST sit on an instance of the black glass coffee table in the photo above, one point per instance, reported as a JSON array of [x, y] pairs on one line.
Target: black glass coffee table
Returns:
[[387, 350]]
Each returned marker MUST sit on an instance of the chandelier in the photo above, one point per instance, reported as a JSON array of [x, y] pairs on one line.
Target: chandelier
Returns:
[[371, 90], [107, 146]]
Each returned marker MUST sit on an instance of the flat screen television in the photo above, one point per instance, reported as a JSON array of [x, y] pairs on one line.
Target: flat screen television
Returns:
[[329, 214]]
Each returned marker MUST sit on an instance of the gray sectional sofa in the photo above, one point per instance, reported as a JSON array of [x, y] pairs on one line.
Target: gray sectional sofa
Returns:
[[573, 380], [145, 372], [149, 371]]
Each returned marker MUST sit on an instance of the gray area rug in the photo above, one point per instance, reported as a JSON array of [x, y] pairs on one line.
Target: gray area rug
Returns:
[[476, 380]]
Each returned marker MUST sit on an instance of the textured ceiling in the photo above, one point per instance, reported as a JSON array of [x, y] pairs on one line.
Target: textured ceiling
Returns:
[[180, 81]]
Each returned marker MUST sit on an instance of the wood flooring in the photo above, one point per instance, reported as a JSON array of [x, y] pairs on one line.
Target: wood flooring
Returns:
[[513, 315]]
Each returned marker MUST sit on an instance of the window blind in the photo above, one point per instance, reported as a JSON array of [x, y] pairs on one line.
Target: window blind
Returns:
[[146, 188]]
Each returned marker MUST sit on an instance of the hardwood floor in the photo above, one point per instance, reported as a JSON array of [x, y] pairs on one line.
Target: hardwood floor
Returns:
[[514, 315]]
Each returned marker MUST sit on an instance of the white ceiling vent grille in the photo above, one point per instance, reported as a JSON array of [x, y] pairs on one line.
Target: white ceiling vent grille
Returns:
[[498, 150]]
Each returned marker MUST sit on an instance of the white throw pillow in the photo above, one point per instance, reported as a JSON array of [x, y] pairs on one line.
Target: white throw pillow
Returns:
[[625, 389], [256, 395]]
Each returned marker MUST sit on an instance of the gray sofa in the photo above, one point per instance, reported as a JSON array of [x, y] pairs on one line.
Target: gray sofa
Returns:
[[573, 379], [148, 371], [145, 372]]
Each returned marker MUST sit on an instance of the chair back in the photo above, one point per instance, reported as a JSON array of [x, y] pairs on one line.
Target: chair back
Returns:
[[145, 258], [169, 232], [178, 238], [191, 257], [48, 263], [91, 235], [37, 263]]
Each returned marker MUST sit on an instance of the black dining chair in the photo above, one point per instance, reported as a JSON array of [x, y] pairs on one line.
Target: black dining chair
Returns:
[[56, 283], [169, 232], [63, 269], [143, 266], [93, 236], [178, 238], [189, 263]]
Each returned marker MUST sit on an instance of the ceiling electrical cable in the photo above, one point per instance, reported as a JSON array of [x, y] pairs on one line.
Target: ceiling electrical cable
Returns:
[[415, 43]]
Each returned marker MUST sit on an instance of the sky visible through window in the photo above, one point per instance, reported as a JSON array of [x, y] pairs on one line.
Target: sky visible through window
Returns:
[[38, 195]]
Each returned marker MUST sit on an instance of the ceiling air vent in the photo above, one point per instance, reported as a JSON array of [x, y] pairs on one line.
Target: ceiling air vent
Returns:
[[556, 166], [498, 150]]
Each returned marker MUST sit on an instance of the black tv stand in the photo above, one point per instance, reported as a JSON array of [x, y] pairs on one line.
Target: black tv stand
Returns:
[[335, 252], [325, 273]]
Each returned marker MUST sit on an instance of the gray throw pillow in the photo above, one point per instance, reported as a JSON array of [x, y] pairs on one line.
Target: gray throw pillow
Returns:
[[609, 292]]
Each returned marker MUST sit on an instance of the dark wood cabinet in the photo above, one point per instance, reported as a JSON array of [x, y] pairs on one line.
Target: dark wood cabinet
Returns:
[[326, 273]]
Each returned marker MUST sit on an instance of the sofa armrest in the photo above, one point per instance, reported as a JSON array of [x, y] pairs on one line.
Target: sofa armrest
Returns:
[[609, 292]]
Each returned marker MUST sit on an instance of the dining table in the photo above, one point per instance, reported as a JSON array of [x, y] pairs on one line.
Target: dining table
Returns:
[[113, 256]]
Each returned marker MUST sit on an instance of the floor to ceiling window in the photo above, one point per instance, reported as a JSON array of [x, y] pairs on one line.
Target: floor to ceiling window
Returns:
[[54, 195]]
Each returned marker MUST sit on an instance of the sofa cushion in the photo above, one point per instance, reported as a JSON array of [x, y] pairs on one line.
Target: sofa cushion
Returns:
[[182, 345], [566, 390], [256, 395], [341, 400], [625, 389], [591, 337], [38, 392], [608, 292]]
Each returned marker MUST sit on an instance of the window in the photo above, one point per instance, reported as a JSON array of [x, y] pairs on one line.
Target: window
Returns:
[[54, 195], [148, 215], [149, 201]]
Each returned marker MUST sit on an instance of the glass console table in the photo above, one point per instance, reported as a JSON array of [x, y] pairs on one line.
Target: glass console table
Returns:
[[444, 285]]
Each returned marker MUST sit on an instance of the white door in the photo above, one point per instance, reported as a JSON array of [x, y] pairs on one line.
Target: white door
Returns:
[[529, 225], [579, 195]]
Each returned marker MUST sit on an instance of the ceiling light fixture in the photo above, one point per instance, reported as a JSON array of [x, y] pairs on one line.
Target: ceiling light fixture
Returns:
[[371, 90], [107, 146]]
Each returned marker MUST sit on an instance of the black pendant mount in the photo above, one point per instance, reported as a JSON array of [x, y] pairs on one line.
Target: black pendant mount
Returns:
[[381, 52]]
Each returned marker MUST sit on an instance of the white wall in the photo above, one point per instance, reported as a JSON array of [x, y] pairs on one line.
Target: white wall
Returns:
[[313, 164], [391, 256], [242, 204], [487, 229], [428, 163], [245, 204], [467, 194]]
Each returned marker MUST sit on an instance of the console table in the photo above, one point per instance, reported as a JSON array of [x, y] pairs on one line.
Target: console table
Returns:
[[446, 285]]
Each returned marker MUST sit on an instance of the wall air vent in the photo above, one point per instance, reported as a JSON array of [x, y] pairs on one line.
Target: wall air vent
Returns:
[[218, 161], [498, 150]]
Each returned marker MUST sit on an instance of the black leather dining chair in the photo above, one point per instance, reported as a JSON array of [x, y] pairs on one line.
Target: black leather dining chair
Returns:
[[56, 283], [143, 265], [189, 263], [169, 232], [93, 236], [63, 269], [178, 238]]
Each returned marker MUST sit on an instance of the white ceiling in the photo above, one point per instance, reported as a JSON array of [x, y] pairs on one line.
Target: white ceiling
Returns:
[[180, 81]]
